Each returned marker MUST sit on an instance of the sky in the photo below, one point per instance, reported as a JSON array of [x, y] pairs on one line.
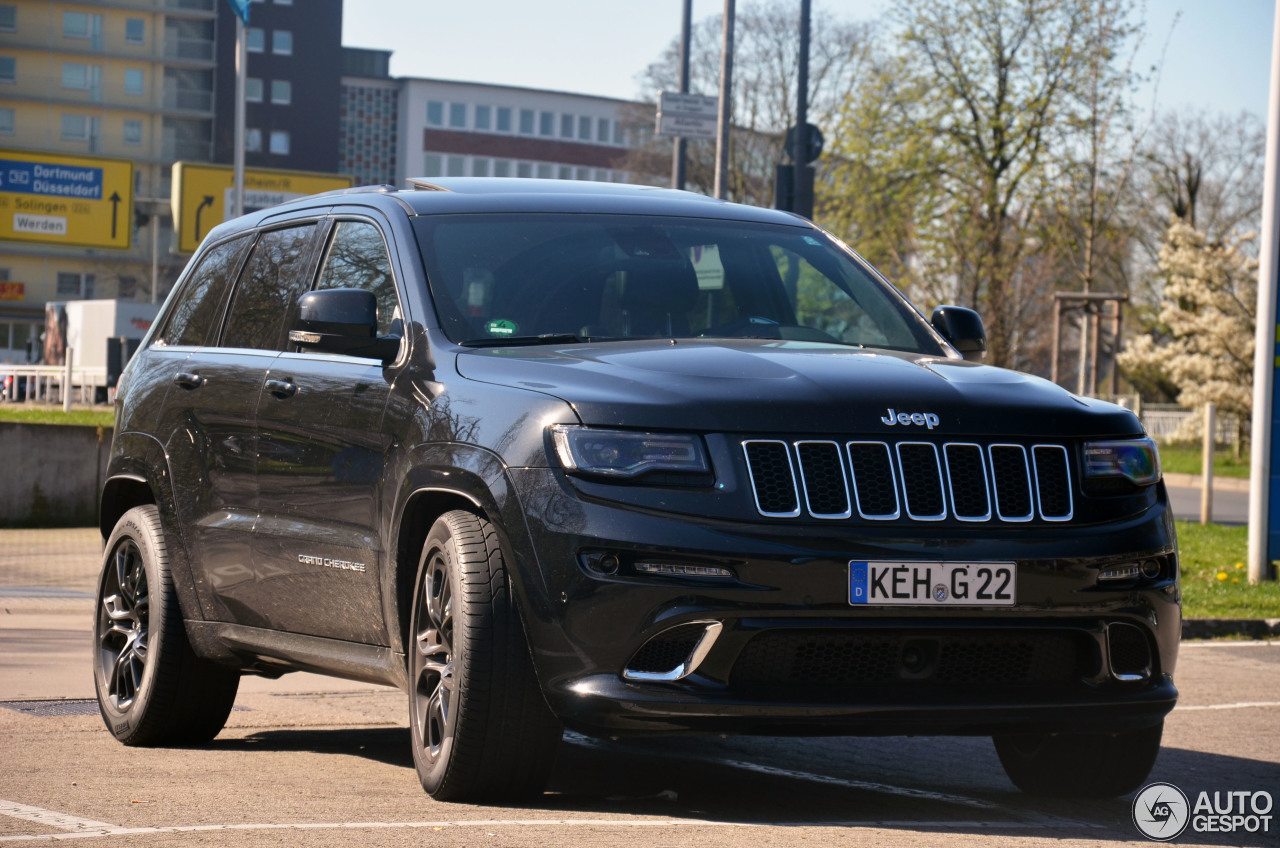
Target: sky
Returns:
[[1218, 57]]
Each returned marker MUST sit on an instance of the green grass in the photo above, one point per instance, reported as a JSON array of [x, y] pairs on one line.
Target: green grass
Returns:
[[1186, 459], [1215, 577], [24, 413]]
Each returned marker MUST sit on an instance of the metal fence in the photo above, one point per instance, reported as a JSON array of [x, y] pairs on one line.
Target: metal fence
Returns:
[[45, 383]]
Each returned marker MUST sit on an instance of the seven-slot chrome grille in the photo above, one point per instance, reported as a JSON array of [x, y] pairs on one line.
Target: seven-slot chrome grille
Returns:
[[923, 481]]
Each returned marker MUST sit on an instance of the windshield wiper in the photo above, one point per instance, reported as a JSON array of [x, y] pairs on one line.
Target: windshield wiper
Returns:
[[545, 338]]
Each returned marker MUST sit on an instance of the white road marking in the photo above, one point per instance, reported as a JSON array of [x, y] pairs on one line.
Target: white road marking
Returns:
[[62, 821], [1242, 705], [1230, 643]]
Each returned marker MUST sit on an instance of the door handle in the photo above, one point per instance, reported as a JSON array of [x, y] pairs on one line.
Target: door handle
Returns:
[[281, 389], [189, 380]]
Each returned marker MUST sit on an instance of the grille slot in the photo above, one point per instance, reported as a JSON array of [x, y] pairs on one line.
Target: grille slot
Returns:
[[1130, 652], [1012, 482], [873, 482], [832, 663], [922, 481], [664, 652], [967, 478], [880, 481], [1053, 481], [772, 478], [826, 492]]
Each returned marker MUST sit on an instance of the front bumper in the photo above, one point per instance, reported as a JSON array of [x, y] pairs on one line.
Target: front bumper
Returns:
[[1050, 662]]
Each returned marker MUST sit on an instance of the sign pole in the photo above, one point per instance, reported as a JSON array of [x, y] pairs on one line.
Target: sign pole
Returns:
[[242, 57], [726, 95], [681, 145], [1264, 496], [803, 204]]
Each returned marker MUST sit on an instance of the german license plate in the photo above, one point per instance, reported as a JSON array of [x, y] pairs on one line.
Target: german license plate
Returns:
[[953, 584]]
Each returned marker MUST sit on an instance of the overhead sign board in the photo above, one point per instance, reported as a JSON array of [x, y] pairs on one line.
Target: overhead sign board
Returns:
[[202, 195], [79, 201], [687, 115]]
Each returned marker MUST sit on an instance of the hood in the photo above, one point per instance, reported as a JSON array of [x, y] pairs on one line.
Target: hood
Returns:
[[788, 387]]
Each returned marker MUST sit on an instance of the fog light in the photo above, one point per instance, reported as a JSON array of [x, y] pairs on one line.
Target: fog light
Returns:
[[1150, 569], [679, 570], [1128, 571]]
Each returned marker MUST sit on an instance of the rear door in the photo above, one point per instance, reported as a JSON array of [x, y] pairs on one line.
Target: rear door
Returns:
[[213, 442], [321, 443]]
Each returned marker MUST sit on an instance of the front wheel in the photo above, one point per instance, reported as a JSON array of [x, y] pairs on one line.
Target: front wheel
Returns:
[[1080, 765], [152, 688], [480, 727]]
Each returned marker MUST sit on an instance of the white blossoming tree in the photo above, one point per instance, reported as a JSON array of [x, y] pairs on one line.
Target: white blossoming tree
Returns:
[[1205, 344]]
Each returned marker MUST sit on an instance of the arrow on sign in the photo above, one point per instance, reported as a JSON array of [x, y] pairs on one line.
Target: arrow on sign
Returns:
[[115, 206], [208, 201]]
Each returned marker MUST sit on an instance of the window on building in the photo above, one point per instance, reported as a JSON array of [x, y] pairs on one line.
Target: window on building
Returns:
[[504, 119], [602, 175], [617, 132], [8, 17], [133, 81], [75, 75], [458, 116], [283, 2], [126, 287], [524, 170], [255, 39], [546, 123], [602, 130], [75, 24], [135, 30], [253, 140], [252, 90], [455, 166], [432, 165], [502, 167], [526, 121], [583, 174], [566, 126], [435, 113], [281, 92], [544, 171], [280, 142], [479, 167], [282, 42], [8, 69], [75, 127], [566, 173], [6, 121], [584, 129], [133, 132], [483, 116], [75, 286]]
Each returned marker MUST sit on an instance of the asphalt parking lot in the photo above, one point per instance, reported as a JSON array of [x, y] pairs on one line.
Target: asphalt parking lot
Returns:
[[308, 760]]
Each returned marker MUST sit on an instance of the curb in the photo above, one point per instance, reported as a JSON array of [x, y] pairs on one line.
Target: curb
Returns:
[[1216, 628], [1220, 483]]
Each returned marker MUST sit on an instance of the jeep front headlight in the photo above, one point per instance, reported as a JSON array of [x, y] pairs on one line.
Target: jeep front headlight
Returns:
[[1137, 460], [627, 454]]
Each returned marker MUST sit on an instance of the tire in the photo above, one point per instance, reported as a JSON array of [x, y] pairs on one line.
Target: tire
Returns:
[[152, 688], [1080, 765], [480, 728]]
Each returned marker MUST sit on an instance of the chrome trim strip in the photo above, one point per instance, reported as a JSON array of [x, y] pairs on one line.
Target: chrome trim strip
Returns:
[[893, 483], [986, 484], [844, 478], [906, 500], [1066, 464], [690, 665], [755, 493], [995, 485]]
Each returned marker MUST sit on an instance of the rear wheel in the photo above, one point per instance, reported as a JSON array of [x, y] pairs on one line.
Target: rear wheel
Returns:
[[152, 689], [1082, 765], [480, 727]]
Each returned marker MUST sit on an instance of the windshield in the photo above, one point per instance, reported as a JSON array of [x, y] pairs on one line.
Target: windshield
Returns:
[[608, 277]]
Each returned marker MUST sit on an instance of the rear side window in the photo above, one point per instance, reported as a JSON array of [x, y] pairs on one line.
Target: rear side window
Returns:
[[357, 259], [273, 279], [195, 317]]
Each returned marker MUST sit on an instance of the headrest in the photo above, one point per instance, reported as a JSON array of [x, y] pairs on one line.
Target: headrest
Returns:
[[660, 285]]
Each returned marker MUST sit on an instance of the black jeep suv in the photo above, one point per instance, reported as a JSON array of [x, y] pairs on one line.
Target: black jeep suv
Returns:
[[626, 460]]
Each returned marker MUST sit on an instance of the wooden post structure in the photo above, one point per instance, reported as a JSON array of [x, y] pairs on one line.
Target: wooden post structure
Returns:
[[1206, 466], [1091, 322]]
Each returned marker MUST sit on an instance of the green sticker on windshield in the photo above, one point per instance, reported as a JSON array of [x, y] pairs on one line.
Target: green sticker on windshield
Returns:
[[501, 327]]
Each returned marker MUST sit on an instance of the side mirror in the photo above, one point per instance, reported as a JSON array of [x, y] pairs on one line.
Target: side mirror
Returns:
[[963, 328], [342, 321]]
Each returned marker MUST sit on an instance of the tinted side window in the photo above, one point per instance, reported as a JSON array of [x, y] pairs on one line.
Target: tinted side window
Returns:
[[194, 320], [357, 259], [270, 285]]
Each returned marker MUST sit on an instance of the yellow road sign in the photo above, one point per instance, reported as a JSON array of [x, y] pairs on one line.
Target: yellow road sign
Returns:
[[82, 201], [202, 195]]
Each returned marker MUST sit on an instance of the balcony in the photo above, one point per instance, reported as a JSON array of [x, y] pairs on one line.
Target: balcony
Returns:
[[188, 100], [190, 49], [196, 151]]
